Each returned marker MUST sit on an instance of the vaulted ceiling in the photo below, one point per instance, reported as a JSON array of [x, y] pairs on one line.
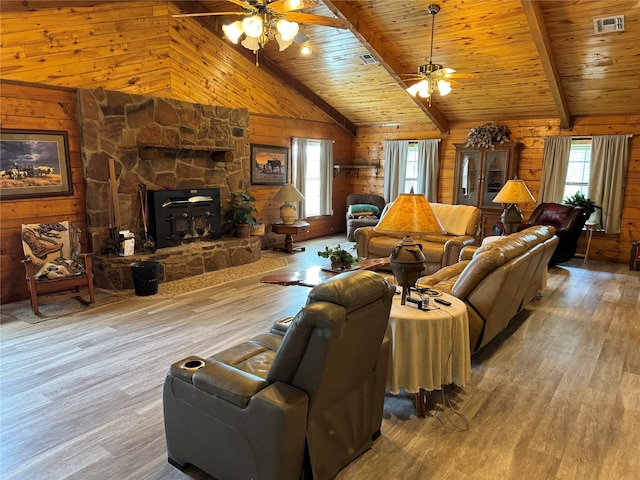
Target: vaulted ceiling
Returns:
[[525, 59]]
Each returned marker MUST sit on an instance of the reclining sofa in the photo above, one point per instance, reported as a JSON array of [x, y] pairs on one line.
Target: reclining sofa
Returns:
[[497, 280], [303, 398], [459, 221]]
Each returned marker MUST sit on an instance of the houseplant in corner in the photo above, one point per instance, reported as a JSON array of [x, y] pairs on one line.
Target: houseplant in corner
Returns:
[[340, 258], [240, 212]]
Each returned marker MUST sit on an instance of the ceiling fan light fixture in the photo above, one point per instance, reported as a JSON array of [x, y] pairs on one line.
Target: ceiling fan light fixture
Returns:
[[233, 31], [282, 43], [287, 30], [444, 87], [433, 74], [253, 26], [251, 43]]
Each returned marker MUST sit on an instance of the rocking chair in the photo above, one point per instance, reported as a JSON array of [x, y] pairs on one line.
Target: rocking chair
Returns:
[[54, 266]]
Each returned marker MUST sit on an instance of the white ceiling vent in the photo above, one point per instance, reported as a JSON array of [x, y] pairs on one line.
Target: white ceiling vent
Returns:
[[368, 59], [609, 24]]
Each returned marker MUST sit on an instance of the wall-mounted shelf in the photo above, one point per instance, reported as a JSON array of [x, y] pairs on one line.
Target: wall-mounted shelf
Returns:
[[354, 168], [218, 154]]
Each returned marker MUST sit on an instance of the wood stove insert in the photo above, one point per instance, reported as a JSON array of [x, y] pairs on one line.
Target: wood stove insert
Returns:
[[177, 217]]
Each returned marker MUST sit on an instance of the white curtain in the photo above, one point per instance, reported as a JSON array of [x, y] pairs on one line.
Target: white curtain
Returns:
[[428, 168], [326, 177], [555, 163], [395, 168], [609, 161], [300, 170]]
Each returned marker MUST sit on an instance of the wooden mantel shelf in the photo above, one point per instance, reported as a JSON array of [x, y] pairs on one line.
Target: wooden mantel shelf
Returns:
[[218, 154]]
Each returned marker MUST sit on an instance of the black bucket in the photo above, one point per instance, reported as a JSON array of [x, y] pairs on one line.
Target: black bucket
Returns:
[[145, 277]]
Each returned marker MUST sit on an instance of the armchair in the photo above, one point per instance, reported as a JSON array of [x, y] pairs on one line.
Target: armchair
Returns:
[[364, 217], [55, 268], [302, 398], [568, 221]]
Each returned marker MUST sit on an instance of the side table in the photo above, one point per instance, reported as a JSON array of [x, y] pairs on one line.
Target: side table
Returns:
[[429, 349], [289, 231]]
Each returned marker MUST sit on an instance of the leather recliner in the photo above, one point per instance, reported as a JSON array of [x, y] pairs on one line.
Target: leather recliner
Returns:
[[307, 398], [568, 222]]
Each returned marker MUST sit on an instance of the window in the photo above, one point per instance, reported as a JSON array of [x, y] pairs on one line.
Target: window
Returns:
[[578, 170], [411, 173], [313, 175], [312, 180]]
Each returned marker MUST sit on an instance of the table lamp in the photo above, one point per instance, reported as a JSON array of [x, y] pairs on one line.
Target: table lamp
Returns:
[[514, 191], [287, 194], [409, 214]]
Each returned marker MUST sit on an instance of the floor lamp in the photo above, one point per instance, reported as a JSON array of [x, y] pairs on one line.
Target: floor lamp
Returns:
[[514, 191], [410, 214]]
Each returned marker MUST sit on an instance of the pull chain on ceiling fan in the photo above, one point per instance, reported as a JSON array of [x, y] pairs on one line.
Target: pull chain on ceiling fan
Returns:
[[433, 76], [267, 20]]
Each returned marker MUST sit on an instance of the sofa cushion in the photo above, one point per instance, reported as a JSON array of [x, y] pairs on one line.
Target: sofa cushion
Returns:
[[456, 219]]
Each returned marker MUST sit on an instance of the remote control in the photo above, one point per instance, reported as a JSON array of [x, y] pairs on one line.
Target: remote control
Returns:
[[443, 302]]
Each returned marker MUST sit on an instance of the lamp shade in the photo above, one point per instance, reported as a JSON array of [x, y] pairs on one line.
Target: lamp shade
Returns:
[[410, 213], [288, 193], [514, 191]]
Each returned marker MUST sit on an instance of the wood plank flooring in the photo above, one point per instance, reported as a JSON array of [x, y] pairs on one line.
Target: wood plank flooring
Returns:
[[557, 396]]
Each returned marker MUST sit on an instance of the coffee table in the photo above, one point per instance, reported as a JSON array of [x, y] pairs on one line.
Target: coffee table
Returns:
[[429, 349], [315, 275]]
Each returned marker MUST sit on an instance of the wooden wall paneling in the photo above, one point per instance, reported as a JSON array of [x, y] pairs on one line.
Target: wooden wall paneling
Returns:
[[531, 133], [38, 108]]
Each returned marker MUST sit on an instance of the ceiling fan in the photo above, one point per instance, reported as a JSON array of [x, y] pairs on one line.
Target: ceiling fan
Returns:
[[267, 20], [433, 77]]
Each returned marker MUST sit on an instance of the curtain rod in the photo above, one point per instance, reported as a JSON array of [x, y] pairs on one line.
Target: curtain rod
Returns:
[[307, 138], [587, 137]]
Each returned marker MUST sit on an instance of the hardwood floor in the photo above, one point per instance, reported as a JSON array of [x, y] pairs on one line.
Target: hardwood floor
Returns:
[[557, 396]]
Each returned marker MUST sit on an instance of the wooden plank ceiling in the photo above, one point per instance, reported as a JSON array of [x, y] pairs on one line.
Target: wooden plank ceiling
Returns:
[[529, 59]]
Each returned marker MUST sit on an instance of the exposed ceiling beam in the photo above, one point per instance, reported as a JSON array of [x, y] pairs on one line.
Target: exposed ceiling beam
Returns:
[[370, 40], [543, 44], [214, 25]]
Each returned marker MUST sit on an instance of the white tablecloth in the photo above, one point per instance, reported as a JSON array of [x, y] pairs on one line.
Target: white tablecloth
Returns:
[[429, 348]]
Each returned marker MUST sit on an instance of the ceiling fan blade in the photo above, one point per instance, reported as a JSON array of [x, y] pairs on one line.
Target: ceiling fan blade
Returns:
[[464, 75], [207, 14], [309, 19], [453, 83], [282, 6]]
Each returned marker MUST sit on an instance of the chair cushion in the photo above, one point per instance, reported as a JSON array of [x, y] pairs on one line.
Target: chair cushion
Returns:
[[54, 249]]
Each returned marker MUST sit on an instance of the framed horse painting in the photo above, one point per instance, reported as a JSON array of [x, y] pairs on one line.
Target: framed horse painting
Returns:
[[269, 165]]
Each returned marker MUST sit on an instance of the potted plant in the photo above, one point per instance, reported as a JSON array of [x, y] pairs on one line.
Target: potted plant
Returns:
[[340, 258], [579, 200], [240, 212]]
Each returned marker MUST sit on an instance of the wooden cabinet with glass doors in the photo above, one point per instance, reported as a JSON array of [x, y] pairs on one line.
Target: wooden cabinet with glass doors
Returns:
[[480, 174]]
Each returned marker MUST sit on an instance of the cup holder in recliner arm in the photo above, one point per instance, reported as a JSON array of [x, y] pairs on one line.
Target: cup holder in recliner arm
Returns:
[[192, 365], [185, 368]]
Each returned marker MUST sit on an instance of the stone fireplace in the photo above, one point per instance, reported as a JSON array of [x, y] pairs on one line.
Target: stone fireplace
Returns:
[[158, 144]]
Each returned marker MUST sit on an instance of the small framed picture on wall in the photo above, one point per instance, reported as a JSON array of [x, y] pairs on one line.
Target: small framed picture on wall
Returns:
[[269, 165]]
